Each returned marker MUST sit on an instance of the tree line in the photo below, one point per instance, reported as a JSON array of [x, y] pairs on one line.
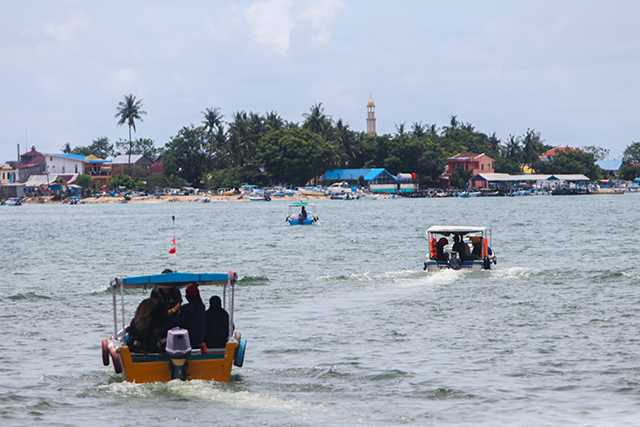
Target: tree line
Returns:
[[265, 149]]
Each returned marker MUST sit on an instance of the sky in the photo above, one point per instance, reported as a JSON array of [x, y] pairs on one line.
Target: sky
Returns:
[[568, 69]]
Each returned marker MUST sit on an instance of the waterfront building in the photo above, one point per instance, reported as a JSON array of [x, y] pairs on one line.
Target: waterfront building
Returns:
[[379, 180], [474, 163]]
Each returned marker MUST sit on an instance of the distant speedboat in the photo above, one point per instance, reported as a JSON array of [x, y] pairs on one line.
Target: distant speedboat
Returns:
[[14, 201], [443, 256], [295, 211]]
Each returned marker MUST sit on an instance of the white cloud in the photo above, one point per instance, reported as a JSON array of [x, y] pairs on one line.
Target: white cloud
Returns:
[[271, 23], [322, 14], [69, 30]]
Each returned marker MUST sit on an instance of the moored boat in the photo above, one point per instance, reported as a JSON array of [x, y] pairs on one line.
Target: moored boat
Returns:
[[14, 201], [444, 255], [176, 361], [312, 191]]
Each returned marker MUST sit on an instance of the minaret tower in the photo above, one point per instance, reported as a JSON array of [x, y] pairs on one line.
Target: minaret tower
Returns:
[[371, 117]]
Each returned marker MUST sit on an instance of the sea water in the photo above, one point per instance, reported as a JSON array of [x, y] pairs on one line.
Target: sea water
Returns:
[[343, 326]]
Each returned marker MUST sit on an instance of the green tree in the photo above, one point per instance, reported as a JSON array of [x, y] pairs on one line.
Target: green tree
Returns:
[[84, 181], [318, 122], [185, 155], [160, 180], [599, 153], [400, 128], [632, 153], [101, 148], [532, 147], [143, 146], [123, 181], [295, 155], [513, 150], [66, 148], [128, 112], [570, 162], [214, 129], [418, 129], [629, 172], [347, 143], [460, 178]]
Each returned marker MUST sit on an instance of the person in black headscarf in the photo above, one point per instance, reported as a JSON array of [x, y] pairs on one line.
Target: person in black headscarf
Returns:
[[461, 247], [302, 215], [190, 317], [216, 324], [441, 255], [148, 316]]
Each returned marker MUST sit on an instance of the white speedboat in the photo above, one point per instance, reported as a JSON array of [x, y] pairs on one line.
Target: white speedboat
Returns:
[[444, 255]]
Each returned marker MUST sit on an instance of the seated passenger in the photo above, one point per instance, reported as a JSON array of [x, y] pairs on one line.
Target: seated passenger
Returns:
[[169, 297], [440, 253], [477, 247], [216, 324], [190, 317], [302, 215], [461, 248], [148, 316]]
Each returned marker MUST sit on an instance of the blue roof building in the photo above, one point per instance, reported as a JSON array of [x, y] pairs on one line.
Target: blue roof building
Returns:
[[377, 176], [378, 179]]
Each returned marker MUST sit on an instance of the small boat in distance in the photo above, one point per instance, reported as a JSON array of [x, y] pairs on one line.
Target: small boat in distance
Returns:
[[444, 255], [175, 362], [14, 201], [295, 211], [312, 191]]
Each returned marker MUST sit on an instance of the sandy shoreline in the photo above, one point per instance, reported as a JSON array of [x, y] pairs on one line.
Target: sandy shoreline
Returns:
[[163, 199]]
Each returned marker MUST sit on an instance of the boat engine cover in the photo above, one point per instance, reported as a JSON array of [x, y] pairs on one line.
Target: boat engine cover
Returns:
[[178, 344]]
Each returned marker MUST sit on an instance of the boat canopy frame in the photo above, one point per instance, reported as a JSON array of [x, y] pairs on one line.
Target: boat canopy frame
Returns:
[[447, 230], [177, 280]]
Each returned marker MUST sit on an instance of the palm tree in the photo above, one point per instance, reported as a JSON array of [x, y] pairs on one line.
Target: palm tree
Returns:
[[513, 148], [128, 112], [240, 137], [493, 145], [432, 129], [532, 146], [318, 122], [212, 123], [400, 128], [418, 129], [346, 142]]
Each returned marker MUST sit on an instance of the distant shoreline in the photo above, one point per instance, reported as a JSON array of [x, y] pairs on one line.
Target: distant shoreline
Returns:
[[153, 199]]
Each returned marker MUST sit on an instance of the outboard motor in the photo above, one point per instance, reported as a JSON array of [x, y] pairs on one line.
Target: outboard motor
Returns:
[[178, 350]]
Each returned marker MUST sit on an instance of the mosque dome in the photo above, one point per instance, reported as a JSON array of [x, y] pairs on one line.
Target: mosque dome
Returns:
[[370, 103]]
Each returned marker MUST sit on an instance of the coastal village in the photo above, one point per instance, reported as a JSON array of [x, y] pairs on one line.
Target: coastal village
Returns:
[[36, 177]]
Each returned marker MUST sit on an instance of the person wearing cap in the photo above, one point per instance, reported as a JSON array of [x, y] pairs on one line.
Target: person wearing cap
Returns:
[[190, 317]]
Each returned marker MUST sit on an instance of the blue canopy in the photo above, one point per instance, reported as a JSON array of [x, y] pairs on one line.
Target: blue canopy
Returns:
[[178, 279]]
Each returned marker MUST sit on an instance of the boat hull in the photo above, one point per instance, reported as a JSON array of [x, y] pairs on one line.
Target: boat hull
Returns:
[[214, 365], [443, 265]]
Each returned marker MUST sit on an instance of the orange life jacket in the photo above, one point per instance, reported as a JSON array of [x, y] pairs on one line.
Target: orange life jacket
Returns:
[[434, 251], [485, 245]]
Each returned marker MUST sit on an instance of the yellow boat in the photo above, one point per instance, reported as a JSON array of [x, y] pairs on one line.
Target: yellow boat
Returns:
[[180, 362]]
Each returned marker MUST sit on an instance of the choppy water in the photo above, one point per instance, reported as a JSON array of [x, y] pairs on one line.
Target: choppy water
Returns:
[[343, 326]]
